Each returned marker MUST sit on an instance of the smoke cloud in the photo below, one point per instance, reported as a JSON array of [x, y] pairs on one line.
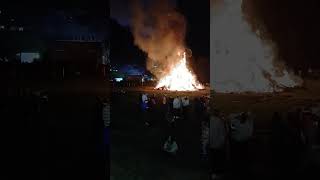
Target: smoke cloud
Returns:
[[240, 46], [159, 30]]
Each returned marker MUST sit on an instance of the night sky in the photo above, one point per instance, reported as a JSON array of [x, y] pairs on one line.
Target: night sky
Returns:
[[34, 6], [294, 26], [120, 11]]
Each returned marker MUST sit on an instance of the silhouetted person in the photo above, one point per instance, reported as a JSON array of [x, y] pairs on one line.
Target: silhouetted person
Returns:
[[204, 138], [217, 144], [279, 144], [145, 112], [185, 106], [241, 132], [164, 107]]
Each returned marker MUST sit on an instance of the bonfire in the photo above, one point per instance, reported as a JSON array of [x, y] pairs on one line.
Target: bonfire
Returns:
[[180, 78]]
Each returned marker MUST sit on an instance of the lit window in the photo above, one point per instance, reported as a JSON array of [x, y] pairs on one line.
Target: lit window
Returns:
[[2, 27], [20, 28]]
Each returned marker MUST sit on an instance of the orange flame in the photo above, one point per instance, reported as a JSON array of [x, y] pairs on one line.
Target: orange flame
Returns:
[[180, 78]]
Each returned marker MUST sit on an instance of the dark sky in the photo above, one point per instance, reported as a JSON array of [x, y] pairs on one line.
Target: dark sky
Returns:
[[35, 7], [294, 26], [119, 10]]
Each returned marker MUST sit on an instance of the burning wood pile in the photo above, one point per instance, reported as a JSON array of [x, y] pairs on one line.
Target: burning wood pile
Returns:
[[159, 30], [180, 78]]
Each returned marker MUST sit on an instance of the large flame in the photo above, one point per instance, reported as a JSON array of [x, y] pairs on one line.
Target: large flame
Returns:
[[240, 60], [180, 78]]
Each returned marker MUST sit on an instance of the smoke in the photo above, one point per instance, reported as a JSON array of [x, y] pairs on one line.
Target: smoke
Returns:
[[159, 30], [242, 57]]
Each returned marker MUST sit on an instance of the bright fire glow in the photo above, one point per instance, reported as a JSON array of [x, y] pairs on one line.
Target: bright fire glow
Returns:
[[180, 78], [240, 60]]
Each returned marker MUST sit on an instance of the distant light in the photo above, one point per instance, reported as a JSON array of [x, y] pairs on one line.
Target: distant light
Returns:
[[29, 57], [20, 28], [2, 27], [118, 79]]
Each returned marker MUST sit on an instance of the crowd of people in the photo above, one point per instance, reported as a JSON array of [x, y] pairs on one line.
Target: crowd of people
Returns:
[[227, 140], [171, 110]]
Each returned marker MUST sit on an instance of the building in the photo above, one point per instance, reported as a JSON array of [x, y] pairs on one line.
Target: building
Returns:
[[64, 28], [79, 43], [77, 58]]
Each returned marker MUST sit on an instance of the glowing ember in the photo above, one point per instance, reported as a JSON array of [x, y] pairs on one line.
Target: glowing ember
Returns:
[[240, 60], [180, 78]]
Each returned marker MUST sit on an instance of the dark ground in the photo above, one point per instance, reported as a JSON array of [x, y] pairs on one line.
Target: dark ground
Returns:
[[295, 163], [136, 151], [64, 141]]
